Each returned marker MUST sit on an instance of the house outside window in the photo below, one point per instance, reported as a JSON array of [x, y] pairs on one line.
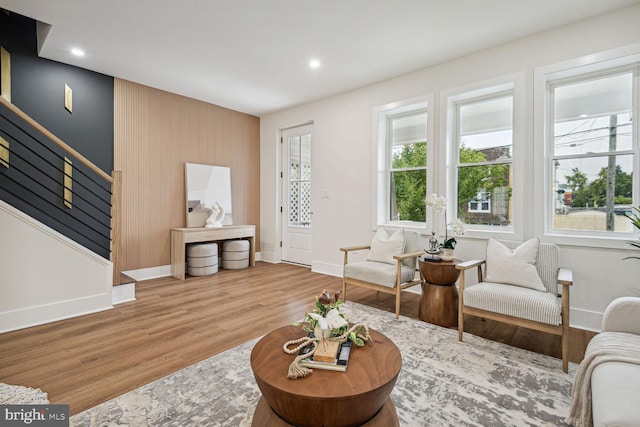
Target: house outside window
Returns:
[[483, 157], [593, 158], [481, 203], [402, 165]]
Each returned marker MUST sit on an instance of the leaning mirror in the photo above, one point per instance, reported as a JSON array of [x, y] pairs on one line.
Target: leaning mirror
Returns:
[[206, 186]]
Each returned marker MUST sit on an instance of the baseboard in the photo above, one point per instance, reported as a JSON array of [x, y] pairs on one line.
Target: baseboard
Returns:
[[39, 315], [157, 272], [123, 293], [326, 268], [585, 319], [149, 273]]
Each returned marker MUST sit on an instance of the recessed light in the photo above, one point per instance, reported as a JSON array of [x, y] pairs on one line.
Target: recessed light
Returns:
[[77, 52], [314, 63]]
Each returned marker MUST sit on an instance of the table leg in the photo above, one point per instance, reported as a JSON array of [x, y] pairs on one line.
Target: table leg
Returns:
[[439, 304], [178, 256]]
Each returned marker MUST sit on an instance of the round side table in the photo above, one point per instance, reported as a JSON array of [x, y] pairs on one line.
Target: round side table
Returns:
[[439, 301]]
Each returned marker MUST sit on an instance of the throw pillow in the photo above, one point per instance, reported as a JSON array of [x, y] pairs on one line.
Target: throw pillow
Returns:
[[384, 247], [514, 267]]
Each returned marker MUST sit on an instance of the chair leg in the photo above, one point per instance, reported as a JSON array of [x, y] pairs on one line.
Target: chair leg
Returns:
[[460, 323], [344, 290], [398, 303], [565, 348]]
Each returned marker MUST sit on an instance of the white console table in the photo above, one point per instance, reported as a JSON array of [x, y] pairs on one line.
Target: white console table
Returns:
[[181, 236]]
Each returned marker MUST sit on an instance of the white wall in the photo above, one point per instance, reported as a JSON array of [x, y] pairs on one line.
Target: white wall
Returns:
[[46, 277], [343, 150]]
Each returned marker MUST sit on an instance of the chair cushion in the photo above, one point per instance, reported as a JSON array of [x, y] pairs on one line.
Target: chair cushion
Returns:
[[384, 247], [514, 267], [411, 244], [514, 301], [377, 272]]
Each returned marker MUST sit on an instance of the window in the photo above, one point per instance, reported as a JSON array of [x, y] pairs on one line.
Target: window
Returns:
[[402, 164], [481, 203], [482, 156], [593, 151]]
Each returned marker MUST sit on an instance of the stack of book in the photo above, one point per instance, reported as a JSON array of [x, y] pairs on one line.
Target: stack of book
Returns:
[[330, 355]]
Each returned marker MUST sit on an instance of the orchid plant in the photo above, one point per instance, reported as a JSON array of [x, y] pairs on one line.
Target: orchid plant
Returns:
[[439, 204]]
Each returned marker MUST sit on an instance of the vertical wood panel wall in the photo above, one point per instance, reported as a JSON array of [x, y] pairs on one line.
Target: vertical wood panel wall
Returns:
[[156, 133]]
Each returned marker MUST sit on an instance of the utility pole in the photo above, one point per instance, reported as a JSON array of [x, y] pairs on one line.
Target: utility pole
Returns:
[[611, 172]]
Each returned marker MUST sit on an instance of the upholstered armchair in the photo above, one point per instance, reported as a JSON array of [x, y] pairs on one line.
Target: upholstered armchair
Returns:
[[607, 384], [519, 286], [390, 266]]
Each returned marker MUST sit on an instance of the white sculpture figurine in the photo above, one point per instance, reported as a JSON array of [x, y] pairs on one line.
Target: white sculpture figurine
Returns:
[[216, 217]]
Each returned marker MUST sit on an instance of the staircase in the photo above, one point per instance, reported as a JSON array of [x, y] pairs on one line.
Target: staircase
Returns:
[[60, 216]]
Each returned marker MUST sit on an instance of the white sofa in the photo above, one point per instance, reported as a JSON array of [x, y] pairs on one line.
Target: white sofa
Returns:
[[615, 385]]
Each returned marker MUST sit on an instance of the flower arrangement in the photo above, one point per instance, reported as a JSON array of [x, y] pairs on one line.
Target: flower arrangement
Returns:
[[326, 322], [439, 204], [326, 316], [634, 217]]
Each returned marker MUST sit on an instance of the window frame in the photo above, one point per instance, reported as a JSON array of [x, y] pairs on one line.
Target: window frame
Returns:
[[450, 100], [383, 147], [580, 70]]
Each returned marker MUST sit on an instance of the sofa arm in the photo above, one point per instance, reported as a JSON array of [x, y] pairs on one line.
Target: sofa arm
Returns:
[[622, 315]]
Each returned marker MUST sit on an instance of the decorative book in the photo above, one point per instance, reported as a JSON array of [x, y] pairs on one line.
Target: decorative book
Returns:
[[339, 362]]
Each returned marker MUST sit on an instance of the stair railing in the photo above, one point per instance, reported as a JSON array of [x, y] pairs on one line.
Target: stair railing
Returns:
[[114, 181]]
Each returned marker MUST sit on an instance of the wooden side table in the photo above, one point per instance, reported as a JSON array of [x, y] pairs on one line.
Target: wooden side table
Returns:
[[439, 302], [359, 396]]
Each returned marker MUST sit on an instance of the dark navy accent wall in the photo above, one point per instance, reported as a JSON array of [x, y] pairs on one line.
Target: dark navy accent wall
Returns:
[[34, 181], [37, 88]]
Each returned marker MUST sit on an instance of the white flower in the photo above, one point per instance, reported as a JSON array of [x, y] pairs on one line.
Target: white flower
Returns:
[[457, 226], [332, 321], [438, 202]]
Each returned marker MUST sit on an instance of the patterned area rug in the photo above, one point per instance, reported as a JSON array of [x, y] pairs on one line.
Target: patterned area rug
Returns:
[[19, 395], [442, 382]]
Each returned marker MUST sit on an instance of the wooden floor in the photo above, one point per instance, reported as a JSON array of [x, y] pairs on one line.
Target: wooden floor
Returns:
[[90, 359]]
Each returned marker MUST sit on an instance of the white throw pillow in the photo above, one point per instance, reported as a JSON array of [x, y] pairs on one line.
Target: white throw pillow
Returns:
[[384, 247], [515, 267]]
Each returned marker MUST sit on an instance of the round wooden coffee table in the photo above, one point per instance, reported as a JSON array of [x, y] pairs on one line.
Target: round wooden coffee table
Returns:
[[359, 396]]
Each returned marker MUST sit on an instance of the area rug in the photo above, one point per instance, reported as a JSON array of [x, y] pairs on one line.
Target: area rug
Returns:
[[18, 395], [442, 382]]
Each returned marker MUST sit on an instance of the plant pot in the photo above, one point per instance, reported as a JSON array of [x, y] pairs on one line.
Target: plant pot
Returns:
[[446, 254]]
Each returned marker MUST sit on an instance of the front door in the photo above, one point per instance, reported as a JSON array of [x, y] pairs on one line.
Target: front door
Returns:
[[296, 191]]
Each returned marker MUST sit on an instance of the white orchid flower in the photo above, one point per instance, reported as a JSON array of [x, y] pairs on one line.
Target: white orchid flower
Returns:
[[437, 202], [332, 321], [458, 227]]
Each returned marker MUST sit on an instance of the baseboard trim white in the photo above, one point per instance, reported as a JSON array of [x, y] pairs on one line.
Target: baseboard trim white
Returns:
[[585, 319], [39, 315], [123, 293], [149, 273], [326, 268], [157, 272]]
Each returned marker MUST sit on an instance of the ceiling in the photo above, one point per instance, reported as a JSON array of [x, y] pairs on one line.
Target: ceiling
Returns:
[[253, 55]]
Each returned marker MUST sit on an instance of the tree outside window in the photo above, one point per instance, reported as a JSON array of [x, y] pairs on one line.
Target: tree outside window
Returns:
[[408, 167], [484, 160]]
